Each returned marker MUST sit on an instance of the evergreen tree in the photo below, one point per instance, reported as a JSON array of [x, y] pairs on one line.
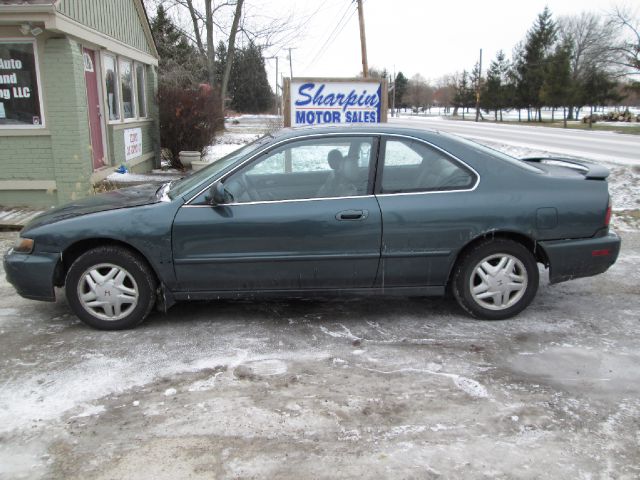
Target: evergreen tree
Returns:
[[221, 61], [401, 84], [532, 66], [248, 85], [599, 88], [464, 94], [495, 91], [476, 83], [180, 63], [555, 90]]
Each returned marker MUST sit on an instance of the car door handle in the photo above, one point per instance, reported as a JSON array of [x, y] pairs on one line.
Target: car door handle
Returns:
[[352, 215]]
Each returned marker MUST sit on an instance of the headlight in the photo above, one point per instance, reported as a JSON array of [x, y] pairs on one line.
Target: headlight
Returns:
[[23, 245]]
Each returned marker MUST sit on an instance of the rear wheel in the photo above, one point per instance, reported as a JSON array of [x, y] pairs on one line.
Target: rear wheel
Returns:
[[110, 288], [497, 279]]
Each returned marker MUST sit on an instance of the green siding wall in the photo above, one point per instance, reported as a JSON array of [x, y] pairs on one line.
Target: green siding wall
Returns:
[[26, 158], [153, 111], [65, 154], [117, 18], [116, 140], [65, 96]]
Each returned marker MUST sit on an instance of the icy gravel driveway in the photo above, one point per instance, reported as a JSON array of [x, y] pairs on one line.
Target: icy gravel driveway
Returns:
[[372, 388]]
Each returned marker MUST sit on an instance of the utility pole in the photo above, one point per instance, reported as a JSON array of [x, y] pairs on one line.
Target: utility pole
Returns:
[[290, 62], [478, 88], [277, 104], [393, 98], [363, 41], [276, 99]]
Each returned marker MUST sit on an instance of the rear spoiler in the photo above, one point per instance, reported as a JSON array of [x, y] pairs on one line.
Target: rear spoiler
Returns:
[[590, 170]]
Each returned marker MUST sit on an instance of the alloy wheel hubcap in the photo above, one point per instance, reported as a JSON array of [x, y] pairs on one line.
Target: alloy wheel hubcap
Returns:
[[498, 281], [108, 292]]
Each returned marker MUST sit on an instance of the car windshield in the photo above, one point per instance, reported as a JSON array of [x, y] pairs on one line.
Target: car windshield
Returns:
[[185, 184]]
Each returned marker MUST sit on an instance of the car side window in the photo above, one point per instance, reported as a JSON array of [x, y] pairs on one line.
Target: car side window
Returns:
[[413, 166], [316, 168]]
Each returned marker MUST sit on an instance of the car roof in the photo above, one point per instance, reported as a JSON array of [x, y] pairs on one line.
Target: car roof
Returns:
[[379, 128]]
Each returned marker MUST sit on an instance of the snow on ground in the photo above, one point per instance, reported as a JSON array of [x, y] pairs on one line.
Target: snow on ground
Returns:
[[512, 115], [375, 388], [227, 143], [137, 178]]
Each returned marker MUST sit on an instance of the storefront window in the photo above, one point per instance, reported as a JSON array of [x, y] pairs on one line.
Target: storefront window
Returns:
[[141, 90], [126, 88], [19, 89], [111, 85], [126, 79]]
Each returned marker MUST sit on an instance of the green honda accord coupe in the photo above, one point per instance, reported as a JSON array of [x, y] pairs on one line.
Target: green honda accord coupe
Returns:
[[326, 211]]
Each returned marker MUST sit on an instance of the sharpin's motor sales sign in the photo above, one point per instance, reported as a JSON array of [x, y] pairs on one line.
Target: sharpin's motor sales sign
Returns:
[[334, 101]]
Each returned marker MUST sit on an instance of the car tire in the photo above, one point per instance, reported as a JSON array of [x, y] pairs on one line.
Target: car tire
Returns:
[[110, 288], [496, 279]]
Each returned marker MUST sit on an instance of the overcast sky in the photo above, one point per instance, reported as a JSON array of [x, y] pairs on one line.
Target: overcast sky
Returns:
[[430, 37]]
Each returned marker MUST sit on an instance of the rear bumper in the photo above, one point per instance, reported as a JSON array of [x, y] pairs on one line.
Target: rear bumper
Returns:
[[32, 274], [570, 259]]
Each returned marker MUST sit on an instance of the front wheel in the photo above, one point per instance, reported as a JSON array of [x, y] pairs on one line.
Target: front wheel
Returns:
[[496, 280], [110, 288]]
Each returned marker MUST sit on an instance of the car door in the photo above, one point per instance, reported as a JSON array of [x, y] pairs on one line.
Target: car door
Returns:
[[292, 220], [424, 195]]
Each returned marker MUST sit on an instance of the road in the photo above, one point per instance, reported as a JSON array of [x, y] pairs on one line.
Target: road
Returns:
[[362, 388], [608, 147]]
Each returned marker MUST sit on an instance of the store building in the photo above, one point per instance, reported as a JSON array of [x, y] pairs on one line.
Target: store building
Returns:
[[78, 82]]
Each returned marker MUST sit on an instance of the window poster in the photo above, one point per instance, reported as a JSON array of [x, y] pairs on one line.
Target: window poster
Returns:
[[19, 100]]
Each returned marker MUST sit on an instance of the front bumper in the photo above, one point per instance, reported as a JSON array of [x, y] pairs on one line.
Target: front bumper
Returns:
[[32, 274], [570, 259]]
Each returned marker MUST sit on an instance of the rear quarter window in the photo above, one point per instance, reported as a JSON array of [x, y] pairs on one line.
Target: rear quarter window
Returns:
[[413, 166]]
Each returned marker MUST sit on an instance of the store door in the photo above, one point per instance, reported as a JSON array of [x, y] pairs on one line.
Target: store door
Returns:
[[93, 102]]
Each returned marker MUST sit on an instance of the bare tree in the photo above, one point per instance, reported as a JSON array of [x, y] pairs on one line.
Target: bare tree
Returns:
[[196, 30], [230, 50], [627, 49], [445, 91], [591, 39], [419, 93], [225, 20]]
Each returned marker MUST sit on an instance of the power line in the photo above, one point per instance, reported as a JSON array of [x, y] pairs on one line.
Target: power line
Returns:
[[341, 16], [291, 36], [342, 23]]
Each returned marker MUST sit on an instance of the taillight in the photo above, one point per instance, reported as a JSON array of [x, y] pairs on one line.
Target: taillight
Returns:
[[607, 216]]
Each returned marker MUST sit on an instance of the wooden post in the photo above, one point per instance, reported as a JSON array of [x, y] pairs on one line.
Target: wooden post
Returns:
[[384, 100], [478, 87], [276, 102], [286, 102], [363, 41]]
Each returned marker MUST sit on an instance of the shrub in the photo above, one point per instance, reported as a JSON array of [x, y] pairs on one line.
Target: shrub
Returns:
[[189, 118]]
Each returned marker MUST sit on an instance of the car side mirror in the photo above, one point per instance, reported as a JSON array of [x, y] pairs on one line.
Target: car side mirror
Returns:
[[216, 193]]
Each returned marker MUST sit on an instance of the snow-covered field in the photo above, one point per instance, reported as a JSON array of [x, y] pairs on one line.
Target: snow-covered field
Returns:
[[512, 114]]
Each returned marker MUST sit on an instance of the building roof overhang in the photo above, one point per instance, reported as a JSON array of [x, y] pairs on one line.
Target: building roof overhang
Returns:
[[45, 13]]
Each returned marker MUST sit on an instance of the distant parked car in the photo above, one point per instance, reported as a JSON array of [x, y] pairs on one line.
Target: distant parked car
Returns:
[[325, 211]]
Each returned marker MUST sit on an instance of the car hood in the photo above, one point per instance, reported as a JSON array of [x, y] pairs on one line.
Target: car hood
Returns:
[[122, 198]]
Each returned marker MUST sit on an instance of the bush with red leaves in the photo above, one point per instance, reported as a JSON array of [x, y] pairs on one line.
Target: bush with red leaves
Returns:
[[189, 118]]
